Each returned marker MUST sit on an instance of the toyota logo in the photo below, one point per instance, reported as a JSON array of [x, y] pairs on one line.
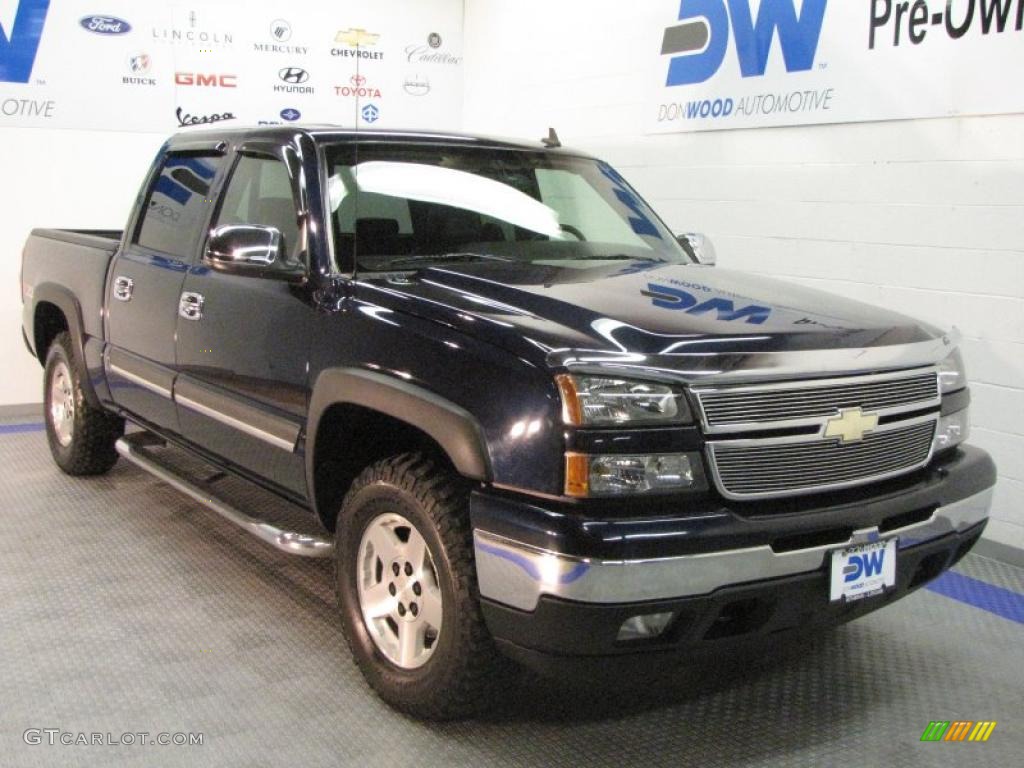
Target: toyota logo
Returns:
[[358, 80], [293, 75]]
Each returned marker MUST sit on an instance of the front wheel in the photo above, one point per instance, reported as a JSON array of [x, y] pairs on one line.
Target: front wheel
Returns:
[[81, 437], [407, 590]]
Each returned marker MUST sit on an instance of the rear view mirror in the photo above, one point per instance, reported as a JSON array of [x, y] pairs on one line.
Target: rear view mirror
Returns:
[[699, 247], [247, 249]]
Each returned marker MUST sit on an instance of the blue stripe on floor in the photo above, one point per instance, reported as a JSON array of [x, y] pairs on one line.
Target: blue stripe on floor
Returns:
[[14, 429], [980, 594]]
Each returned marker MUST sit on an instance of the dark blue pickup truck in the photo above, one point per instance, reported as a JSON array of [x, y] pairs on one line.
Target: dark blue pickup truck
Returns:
[[530, 422]]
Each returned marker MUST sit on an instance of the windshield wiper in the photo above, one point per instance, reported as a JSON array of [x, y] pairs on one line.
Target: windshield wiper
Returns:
[[622, 257], [442, 258]]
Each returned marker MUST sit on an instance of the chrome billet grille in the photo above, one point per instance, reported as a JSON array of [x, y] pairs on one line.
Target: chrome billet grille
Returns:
[[769, 406], [788, 466]]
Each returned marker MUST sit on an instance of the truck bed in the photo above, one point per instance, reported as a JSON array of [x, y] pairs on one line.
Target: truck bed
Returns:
[[68, 262]]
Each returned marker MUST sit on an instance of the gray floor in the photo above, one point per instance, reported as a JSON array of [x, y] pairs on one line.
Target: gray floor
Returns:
[[127, 608]]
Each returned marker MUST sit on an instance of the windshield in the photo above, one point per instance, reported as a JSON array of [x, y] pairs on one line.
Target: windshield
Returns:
[[404, 207]]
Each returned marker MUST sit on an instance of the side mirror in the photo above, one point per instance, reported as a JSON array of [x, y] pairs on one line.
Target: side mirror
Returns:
[[699, 247], [248, 249]]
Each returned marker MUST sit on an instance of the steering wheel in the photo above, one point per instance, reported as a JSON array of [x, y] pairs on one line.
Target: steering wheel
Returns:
[[573, 231]]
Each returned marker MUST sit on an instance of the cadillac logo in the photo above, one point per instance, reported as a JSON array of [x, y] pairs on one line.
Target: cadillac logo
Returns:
[[851, 425]]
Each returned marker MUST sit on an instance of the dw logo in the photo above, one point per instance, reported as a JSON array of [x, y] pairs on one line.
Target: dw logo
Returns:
[[19, 42], [704, 36], [666, 297], [863, 566]]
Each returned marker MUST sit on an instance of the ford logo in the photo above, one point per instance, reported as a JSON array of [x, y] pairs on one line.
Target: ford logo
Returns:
[[105, 25]]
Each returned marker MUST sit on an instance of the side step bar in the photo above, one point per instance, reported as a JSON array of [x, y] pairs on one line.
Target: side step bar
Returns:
[[133, 448]]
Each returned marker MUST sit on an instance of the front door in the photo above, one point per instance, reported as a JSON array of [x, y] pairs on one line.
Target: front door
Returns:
[[243, 341]]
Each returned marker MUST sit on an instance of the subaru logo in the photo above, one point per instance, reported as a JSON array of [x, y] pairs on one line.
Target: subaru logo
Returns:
[[280, 30], [105, 25], [291, 115], [371, 113], [293, 75]]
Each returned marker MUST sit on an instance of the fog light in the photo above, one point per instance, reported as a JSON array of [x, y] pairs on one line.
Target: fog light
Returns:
[[615, 475], [952, 430], [643, 627]]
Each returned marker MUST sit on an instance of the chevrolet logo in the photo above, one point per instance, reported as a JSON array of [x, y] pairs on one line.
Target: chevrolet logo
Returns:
[[356, 37], [851, 425]]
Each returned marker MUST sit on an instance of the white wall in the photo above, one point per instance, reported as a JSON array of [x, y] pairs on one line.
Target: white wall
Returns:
[[925, 216]]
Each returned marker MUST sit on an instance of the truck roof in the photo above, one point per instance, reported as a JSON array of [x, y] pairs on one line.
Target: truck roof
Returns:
[[326, 133]]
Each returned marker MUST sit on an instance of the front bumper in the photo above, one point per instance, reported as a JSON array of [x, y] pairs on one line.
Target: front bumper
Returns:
[[566, 583]]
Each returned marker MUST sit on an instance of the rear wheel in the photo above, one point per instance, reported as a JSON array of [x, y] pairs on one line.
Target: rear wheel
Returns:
[[81, 437], [407, 590]]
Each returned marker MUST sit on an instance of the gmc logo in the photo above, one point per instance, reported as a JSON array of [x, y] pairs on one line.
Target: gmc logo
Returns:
[[194, 78]]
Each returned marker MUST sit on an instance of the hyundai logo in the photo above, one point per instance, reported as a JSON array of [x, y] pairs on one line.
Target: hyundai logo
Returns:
[[293, 75]]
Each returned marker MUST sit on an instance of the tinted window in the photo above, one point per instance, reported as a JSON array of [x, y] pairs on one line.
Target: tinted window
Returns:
[[260, 192], [409, 205], [178, 203]]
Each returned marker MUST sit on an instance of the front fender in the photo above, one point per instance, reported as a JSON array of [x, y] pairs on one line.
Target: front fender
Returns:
[[450, 426]]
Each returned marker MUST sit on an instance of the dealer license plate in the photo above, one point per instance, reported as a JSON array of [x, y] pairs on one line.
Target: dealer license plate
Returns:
[[863, 570]]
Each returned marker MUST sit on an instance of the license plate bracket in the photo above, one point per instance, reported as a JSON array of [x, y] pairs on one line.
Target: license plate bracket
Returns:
[[862, 570]]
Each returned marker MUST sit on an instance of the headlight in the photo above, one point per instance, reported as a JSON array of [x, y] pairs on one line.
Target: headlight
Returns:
[[617, 475], [952, 375], [594, 401]]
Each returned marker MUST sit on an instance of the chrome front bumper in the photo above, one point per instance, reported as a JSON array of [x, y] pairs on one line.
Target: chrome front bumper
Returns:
[[517, 574]]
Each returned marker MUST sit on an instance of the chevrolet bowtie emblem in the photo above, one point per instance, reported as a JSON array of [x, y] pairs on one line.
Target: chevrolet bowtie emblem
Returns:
[[356, 37], [851, 425]]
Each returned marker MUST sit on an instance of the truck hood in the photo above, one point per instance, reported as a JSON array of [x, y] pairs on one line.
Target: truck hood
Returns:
[[683, 319]]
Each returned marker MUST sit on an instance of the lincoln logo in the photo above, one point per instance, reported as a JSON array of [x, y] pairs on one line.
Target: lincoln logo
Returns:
[[851, 425]]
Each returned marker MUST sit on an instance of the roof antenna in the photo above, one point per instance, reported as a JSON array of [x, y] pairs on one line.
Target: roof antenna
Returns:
[[551, 140]]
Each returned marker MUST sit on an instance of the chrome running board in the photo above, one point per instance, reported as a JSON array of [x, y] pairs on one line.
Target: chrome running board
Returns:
[[133, 448]]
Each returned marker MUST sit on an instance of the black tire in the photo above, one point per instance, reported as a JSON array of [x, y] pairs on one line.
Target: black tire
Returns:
[[465, 668], [93, 431]]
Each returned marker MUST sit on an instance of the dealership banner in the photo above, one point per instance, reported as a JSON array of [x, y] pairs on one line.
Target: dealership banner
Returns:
[[719, 64], [162, 66]]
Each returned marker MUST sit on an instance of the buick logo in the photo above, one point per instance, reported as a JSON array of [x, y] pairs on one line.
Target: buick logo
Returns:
[[293, 75], [139, 64], [281, 30], [105, 25]]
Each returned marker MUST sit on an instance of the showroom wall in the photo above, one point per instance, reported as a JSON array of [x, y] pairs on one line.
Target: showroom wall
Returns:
[[922, 215], [90, 90]]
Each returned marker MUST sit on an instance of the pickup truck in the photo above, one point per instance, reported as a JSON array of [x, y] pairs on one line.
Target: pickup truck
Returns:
[[531, 423]]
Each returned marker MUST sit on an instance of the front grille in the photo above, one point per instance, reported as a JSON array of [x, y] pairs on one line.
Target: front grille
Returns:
[[782, 466], [767, 405]]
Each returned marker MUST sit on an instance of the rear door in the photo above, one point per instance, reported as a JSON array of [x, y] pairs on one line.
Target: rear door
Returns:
[[243, 340], [146, 279]]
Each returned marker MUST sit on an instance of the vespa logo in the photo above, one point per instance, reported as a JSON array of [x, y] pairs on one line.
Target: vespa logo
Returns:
[[20, 43], [666, 297], [863, 566], [105, 25], [293, 75], [704, 37]]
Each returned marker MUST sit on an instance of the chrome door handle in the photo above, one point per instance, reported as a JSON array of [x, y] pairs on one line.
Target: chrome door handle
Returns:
[[123, 287], [190, 306]]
